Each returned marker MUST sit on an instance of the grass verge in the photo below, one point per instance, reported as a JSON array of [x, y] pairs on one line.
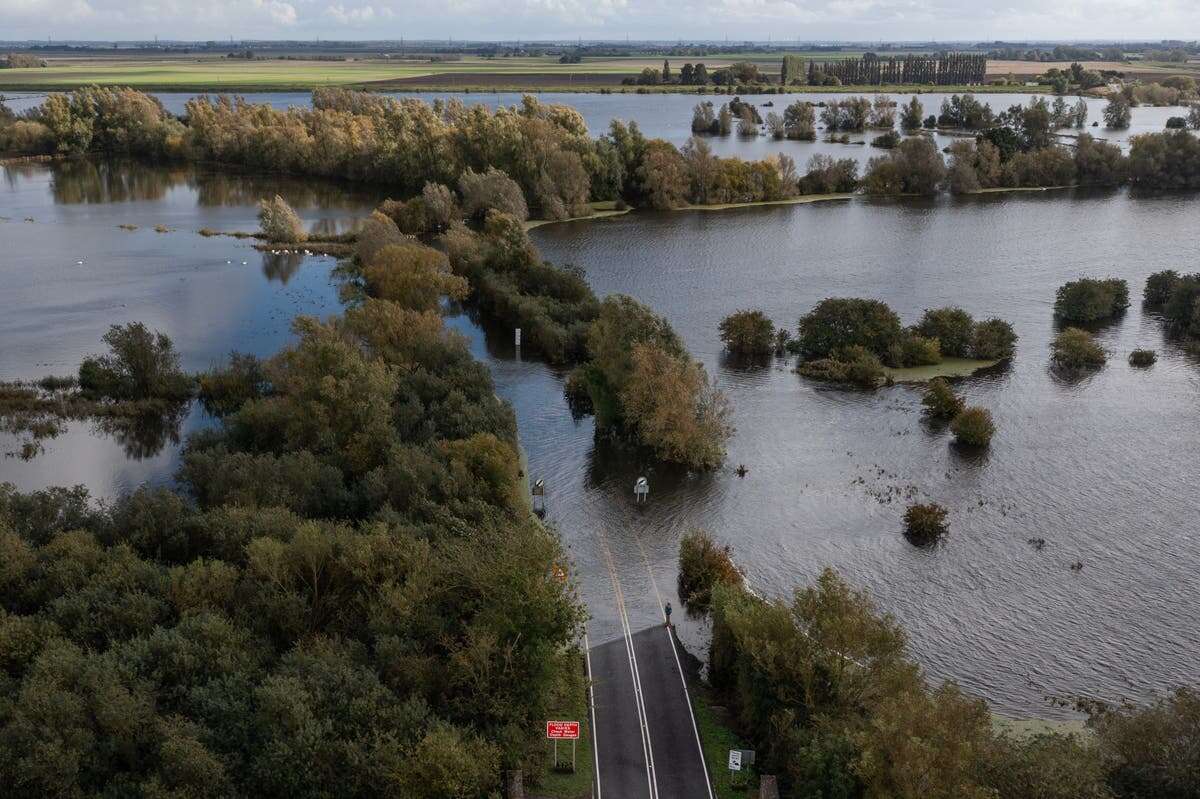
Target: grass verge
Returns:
[[716, 739], [566, 784]]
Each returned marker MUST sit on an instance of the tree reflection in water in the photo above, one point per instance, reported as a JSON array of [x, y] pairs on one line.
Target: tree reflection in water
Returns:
[[145, 435]]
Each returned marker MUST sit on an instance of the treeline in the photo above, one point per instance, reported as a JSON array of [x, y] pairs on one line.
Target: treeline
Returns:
[[349, 595], [1018, 149], [824, 688], [948, 69], [544, 149]]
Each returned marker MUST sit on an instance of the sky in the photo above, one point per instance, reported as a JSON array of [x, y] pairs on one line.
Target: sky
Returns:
[[758, 20]]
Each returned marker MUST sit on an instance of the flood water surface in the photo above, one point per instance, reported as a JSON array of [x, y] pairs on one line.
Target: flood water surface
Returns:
[[1103, 468]]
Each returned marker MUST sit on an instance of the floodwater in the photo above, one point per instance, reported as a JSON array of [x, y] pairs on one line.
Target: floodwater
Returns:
[[669, 116], [68, 271], [1102, 468]]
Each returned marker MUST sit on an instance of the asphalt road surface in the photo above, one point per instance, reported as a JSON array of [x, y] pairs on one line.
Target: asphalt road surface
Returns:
[[646, 745]]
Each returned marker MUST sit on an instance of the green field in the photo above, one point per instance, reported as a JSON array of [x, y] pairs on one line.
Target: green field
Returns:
[[542, 73]]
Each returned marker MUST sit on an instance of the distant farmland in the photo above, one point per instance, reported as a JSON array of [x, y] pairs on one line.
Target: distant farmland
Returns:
[[219, 74]]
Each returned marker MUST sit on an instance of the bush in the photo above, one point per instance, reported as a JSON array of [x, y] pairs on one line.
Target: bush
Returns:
[[1159, 287], [914, 167], [748, 333], [492, 190], [1143, 358], [26, 137], [703, 565], [925, 522], [1090, 299], [1074, 348], [139, 365], [837, 323], [886, 141], [439, 206], [279, 223], [914, 350], [854, 365], [940, 401], [973, 427], [377, 232], [952, 327], [225, 391], [413, 276], [993, 340]]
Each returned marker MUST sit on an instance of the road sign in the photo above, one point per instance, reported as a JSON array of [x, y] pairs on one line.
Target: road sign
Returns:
[[735, 759], [562, 730]]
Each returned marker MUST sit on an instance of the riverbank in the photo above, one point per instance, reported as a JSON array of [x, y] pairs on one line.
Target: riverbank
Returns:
[[608, 209]]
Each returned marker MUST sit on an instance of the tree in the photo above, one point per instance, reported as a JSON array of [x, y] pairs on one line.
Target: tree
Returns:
[[1117, 114], [952, 327], [913, 167], [675, 409], [747, 333], [492, 190], [279, 223], [791, 72], [704, 565], [993, 340], [139, 365], [911, 115], [700, 76], [413, 276], [775, 126], [837, 323], [666, 71], [441, 210], [799, 121], [687, 75], [663, 176], [1090, 300]]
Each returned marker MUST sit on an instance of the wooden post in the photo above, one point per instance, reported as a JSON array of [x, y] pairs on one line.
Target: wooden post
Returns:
[[768, 787]]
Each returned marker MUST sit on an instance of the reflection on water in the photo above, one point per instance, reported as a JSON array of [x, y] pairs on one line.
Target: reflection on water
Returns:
[[90, 257], [144, 435], [280, 266]]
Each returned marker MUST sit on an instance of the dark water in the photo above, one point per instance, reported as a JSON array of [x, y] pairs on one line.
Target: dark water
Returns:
[[211, 295], [1104, 469], [669, 116]]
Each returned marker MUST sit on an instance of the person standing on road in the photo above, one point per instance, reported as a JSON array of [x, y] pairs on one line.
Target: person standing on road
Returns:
[[667, 612]]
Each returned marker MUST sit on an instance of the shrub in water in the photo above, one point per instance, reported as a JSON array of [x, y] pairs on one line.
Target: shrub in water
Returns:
[[1076, 349], [853, 365], [139, 365], [1089, 299], [993, 340], [914, 350], [1159, 287], [837, 323], [952, 327], [703, 565], [973, 427], [1142, 358], [278, 222], [748, 333], [940, 401], [925, 522]]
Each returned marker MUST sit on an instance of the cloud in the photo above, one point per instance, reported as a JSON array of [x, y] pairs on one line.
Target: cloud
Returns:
[[862, 20], [359, 15]]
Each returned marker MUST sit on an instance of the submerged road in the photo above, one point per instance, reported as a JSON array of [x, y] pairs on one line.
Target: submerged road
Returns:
[[647, 745]]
